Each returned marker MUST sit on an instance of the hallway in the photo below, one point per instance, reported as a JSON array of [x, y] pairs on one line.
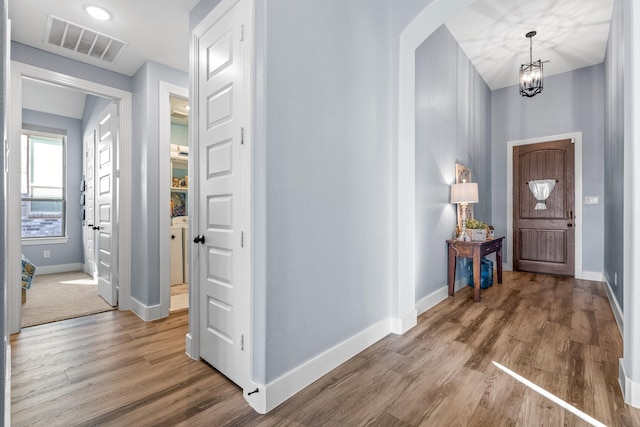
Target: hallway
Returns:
[[560, 333]]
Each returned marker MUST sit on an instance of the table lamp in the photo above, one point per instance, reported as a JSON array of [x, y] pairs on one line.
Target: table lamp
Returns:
[[463, 194]]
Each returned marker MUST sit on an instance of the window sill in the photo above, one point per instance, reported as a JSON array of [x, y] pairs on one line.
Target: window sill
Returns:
[[45, 241]]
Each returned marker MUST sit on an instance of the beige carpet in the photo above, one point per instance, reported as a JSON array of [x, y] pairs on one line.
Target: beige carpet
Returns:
[[60, 296]]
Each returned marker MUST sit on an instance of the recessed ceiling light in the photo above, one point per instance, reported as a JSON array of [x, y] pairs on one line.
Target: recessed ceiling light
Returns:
[[97, 12]]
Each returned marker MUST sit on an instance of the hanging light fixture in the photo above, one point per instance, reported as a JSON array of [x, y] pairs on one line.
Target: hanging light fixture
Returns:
[[531, 73]]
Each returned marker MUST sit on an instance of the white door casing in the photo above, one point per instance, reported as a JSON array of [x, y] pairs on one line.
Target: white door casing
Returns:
[[165, 91], [13, 218], [106, 187], [89, 206], [220, 196]]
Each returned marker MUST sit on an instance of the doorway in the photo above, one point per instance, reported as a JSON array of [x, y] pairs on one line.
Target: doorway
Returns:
[[543, 206], [19, 72], [173, 121], [576, 137]]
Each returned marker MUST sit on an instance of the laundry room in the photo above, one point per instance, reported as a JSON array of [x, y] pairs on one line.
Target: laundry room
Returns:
[[179, 232]]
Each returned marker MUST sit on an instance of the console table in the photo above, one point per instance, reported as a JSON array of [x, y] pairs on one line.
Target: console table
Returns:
[[475, 250]]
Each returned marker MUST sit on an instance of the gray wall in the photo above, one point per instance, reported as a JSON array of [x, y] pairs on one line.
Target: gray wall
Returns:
[[49, 61], [453, 124], [93, 106], [145, 278], [614, 155], [570, 102], [72, 251], [327, 186]]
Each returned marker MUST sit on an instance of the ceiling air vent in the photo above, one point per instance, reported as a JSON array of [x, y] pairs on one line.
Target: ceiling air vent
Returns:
[[82, 40]]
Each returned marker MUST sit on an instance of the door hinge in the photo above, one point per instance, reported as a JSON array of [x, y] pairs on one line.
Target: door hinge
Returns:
[[241, 135], [118, 173], [241, 32], [242, 342], [242, 239]]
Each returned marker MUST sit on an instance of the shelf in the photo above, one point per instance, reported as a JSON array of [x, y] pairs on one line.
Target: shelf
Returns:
[[180, 189]]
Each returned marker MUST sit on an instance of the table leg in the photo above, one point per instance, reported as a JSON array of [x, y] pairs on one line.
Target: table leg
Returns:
[[476, 274], [499, 262], [451, 273]]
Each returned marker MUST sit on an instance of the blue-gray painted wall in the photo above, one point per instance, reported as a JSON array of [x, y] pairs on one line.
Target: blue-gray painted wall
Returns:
[[72, 251], [614, 155], [49, 61], [327, 185], [146, 183], [570, 102], [453, 124]]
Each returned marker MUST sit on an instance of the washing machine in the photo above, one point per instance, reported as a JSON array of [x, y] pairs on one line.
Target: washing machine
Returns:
[[176, 264], [180, 259]]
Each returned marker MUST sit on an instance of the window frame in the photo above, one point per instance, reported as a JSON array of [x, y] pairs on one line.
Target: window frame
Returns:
[[30, 132]]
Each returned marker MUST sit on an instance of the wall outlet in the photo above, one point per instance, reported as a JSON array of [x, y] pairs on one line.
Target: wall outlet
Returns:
[[46, 254]]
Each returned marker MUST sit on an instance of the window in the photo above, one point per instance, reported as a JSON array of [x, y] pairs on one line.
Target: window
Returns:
[[42, 185]]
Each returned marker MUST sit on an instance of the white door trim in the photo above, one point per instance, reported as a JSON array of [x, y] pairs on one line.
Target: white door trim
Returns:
[[192, 338], [13, 237], [577, 139], [403, 312], [165, 91]]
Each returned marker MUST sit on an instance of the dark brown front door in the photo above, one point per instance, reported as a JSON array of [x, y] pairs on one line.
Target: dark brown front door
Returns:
[[544, 239]]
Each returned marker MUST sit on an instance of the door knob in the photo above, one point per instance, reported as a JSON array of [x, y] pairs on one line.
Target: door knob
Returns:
[[173, 236], [96, 228], [198, 239], [569, 225]]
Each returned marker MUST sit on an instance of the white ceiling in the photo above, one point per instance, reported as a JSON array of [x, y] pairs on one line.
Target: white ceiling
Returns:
[[157, 30], [571, 34]]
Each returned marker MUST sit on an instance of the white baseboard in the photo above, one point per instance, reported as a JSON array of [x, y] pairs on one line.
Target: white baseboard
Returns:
[[596, 276], [7, 383], [146, 313], [277, 391], [439, 295], [400, 325], [188, 345], [615, 307], [630, 389], [60, 268]]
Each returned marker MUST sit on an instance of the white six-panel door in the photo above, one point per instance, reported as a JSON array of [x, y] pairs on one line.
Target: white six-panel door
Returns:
[[220, 196], [105, 215], [89, 206]]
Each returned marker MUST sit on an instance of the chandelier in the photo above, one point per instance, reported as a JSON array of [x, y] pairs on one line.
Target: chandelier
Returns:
[[531, 73]]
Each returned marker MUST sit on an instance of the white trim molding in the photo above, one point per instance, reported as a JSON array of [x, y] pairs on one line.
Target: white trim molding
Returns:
[[576, 137], [147, 313], [60, 268], [165, 91], [280, 389], [615, 307], [630, 388]]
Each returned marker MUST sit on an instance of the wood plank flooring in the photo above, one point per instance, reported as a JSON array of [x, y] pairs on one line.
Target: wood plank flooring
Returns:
[[114, 369]]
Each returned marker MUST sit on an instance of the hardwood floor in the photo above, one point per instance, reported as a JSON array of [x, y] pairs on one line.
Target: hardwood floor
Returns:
[[113, 369]]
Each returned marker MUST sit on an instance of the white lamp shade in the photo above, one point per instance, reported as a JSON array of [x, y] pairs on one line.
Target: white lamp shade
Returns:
[[466, 192]]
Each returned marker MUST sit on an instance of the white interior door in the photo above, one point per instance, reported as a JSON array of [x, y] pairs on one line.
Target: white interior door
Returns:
[[89, 205], [105, 219], [220, 199]]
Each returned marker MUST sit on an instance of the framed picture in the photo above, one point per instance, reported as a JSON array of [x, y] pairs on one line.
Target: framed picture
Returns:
[[463, 174]]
